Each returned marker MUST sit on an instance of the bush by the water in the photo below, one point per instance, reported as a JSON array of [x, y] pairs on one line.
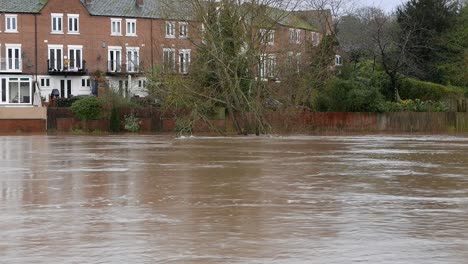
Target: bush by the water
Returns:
[[132, 123], [415, 89], [348, 96], [87, 108], [414, 106]]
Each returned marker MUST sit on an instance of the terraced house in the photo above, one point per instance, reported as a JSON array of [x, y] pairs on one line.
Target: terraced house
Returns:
[[70, 44]]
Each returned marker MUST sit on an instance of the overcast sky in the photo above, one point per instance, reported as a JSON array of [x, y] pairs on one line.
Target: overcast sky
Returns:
[[387, 5]]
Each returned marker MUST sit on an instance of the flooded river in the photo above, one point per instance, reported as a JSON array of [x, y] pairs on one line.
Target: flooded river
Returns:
[[156, 199]]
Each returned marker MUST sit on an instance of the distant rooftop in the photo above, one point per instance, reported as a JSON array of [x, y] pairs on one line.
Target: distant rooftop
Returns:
[[170, 9], [22, 6]]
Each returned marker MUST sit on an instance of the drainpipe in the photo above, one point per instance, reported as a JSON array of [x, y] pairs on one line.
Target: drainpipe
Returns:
[[151, 46], [35, 51]]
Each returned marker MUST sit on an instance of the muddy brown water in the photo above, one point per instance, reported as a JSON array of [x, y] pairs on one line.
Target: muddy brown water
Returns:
[[156, 199]]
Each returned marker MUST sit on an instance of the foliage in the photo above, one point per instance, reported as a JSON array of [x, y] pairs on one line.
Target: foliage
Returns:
[[114, 120], [225, 69], [349, 96], [414, 106], [113, 99], [132, 123], [67, 102], [88, 108], [415, 89], [424, 21], [453, 52]]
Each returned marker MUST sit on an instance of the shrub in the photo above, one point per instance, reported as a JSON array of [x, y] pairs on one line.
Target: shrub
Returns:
[[415, 89], [349, 96], [414, 106], [87, 108], [132, 123], [67, 102]]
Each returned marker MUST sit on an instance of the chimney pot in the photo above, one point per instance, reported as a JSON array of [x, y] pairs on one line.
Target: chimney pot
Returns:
[[140, 3], [89, 2]]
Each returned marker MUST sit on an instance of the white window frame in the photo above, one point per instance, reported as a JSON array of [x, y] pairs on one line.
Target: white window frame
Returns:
[[116, 64], [117, 29], [315, 39], [133, 61], [291, 58], [141, 83], [298, 36], [271, 37], [5, 89], [262, 67], [86, 82], [170, 29], [75, 23], [338, 60], [11, 65], [298, 61], [9, 19], [184, 61], [71, 54], [183, 30], [291, 35], [45, 82], [56, 17], [129, 27], [262, 34], [165, 63], [19, 79], [56, 64], [272, 65]]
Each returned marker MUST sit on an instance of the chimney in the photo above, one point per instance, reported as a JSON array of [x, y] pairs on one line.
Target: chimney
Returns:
[[140, 3]]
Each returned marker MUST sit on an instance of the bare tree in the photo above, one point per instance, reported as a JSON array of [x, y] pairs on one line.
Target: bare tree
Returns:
[[331, 12], [226, 70], [390, 45]]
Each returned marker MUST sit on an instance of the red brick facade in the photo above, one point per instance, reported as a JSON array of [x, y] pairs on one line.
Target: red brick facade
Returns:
[[63, 47]]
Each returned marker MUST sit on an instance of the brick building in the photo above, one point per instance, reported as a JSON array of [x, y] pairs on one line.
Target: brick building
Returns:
[[68, 44]]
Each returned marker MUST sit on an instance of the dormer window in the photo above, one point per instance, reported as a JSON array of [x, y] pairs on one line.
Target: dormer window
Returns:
[[11, 23]]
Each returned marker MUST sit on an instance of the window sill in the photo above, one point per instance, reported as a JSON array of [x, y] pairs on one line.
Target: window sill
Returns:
[[116, 35], [73, 33], [170, 37], [56, 33], [11, 32], [11, 71], [131, 35]]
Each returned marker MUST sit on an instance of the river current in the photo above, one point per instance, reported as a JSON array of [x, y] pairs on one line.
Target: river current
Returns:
[[298, 199]]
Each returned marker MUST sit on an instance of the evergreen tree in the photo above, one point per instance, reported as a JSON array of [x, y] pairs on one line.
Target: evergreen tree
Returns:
[[425, 21], [453, 59]]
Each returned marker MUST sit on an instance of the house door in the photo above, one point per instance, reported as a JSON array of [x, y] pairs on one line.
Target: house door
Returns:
[[65, 88]]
